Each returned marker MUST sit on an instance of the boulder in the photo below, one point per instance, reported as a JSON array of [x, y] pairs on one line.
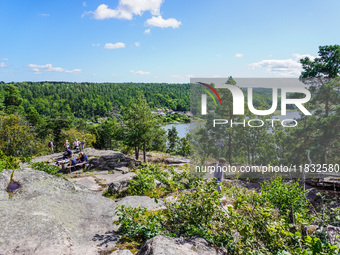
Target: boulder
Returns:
[[310, 230], [312, 196], [114, 157], [123, 169], [50, 215], [162, 245], [112, 161], [122, 252], [120, 181], [333, 235]]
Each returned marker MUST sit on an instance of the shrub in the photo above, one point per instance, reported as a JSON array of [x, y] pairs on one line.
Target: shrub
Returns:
[[50, 169], [250, 225], [145, 180], [7, 162], [138, 223], [285, 196]]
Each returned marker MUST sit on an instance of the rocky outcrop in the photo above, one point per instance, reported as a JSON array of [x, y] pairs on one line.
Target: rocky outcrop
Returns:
[[98, 159], [161, 245], [49, 215], [111, 162], [122, 252], [120, 182], [333, 235]]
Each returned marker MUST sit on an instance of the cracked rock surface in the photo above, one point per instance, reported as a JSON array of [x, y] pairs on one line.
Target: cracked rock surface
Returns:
[[49, 215]]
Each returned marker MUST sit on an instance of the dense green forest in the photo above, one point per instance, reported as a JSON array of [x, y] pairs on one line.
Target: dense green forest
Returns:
[[33, 113], [89, 100]]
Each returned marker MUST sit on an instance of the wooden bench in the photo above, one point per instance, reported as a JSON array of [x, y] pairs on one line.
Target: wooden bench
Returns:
[[79, 166]]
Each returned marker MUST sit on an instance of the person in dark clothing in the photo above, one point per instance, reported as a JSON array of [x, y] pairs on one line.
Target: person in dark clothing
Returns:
[[218, 174], [82, 145], [67, 154], [82, 157]]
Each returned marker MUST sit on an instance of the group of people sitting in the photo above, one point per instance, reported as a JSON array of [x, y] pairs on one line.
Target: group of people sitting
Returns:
[[81, 159], [68, 154]]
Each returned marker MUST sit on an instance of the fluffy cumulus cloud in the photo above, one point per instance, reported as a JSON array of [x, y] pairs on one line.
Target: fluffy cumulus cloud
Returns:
[[38, 69], [112, 46], [147, 31], [239, 55], [140, 72], [137, 44], [164, 23], [282, 67], [126, 9], [2, 65]]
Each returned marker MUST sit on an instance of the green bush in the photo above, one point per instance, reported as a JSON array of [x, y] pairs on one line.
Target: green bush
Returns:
[[7, 162], [50, 169], [250, 224], [285, 196], [138, 223], [144, 182]]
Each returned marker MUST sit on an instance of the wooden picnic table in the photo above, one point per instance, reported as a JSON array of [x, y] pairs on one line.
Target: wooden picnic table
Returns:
[[64, 163]]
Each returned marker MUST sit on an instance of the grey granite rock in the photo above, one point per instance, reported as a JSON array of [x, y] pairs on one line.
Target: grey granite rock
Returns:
[[333, 235], [119, 181], [162, 245], [122, 252], [49, 215]]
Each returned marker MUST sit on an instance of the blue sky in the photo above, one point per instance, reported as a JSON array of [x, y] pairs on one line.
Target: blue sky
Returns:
[[161, 41]]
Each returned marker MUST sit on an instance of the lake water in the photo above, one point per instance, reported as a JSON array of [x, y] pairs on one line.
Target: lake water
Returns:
[[183, 129]]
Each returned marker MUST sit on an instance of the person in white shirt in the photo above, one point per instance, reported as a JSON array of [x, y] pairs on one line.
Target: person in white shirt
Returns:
[[76, 144]]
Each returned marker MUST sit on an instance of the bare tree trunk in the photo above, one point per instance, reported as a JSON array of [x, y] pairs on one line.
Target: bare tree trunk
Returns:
[[136, 152]]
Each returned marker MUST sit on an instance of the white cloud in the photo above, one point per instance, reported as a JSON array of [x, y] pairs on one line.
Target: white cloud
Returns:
[[137, 44], [112, 46], [160, 22], [2, 65], [140, 72], [126, 9], [147, 31], [44, 14], [282, 67], [300, 56], [95, 44], [239, 55], [38, 69], [84, 4], [3, 59]]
